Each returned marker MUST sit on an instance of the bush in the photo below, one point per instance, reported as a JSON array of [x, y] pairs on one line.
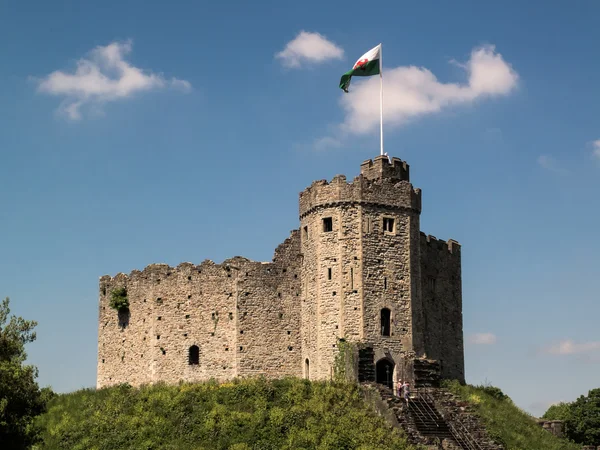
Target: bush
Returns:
[[119, 300]]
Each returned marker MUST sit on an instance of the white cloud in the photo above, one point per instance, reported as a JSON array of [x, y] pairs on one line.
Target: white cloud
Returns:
[[569, 347], [549, 163], [308, 47], [103, 76], [411, 91], [482, 339], [326, 142], [596, 149]]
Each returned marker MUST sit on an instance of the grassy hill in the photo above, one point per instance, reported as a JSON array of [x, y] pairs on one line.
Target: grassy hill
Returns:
[[506, 423], [242, 415], [290, 414]]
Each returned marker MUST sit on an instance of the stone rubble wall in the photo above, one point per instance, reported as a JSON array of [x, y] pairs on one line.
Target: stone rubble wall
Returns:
[[238, 313], [441, 289]]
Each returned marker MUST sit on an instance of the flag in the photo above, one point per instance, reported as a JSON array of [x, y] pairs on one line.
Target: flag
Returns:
[[367, 65]]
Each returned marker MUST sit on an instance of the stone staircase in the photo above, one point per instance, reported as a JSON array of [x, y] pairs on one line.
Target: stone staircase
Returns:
[[423, 423]]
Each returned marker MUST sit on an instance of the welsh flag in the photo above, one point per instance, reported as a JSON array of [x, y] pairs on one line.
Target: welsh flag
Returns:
[[367, 65]]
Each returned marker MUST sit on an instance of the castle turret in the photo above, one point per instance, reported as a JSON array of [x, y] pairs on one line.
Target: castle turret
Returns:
[[361, 271]]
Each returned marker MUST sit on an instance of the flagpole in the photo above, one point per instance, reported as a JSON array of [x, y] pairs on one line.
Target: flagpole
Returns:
[[381, 97]]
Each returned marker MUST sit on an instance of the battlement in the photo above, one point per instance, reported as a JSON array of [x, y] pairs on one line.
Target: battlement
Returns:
[[381, 167], [380, 183], [450, 245]]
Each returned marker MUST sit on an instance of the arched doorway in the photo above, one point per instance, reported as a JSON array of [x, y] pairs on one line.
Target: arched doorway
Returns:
[[384, 372]]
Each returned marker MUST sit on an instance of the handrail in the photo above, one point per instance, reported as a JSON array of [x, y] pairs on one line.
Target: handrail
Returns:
[[431, 416], [463, 434]]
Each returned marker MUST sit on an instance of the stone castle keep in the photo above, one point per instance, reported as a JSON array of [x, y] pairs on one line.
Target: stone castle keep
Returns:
[[358, 268]]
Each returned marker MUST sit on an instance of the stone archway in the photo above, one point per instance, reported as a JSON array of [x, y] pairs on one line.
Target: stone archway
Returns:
[[384, 372]]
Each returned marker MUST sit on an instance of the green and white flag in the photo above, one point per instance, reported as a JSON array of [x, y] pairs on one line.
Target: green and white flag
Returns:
[[367, 65]]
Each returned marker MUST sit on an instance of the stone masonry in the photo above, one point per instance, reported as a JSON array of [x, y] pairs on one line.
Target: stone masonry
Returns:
[[358, 268]]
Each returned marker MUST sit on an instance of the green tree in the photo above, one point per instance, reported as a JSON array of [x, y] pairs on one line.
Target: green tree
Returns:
[[20, 397], [559, 411], [584, 424], [581, 417]]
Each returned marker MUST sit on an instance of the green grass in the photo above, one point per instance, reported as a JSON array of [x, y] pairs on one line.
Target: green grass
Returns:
[[506, 423], [242, 415]]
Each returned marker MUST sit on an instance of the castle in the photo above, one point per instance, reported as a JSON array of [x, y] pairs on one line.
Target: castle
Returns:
[[357, 270]]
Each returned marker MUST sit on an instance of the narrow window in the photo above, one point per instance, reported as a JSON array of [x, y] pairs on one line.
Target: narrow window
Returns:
[[385, 322], [307, 369], [194, 356], [388, 224], [327, 224], [432, 283], [306, 232], [329, 273], [351, 278], [385, 283]]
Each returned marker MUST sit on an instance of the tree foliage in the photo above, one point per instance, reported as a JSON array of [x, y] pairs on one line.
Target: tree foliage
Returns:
[[286, 414], [581, 417], [20, 397]]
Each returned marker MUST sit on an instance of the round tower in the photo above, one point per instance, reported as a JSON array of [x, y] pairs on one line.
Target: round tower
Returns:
[[361, 268]]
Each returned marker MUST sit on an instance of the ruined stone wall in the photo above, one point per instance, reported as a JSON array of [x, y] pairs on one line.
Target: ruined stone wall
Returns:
[[238, 313], [441, 286], [268, 338]]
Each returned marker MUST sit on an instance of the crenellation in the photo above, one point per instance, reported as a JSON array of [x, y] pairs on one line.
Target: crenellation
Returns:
[[357, 260]]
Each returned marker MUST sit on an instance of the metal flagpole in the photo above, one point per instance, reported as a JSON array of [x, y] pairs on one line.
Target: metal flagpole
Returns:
[[381, 97]]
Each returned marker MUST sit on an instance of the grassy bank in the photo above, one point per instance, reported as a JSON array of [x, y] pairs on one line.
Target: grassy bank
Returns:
[[243, 415], [506, 423]]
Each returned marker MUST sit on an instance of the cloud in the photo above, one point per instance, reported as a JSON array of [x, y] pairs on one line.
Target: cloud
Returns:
[[569, 347], [482, 339], [549, 163], [308, 48], [104, 76], [596, 149], [410, 91], [326, 142]]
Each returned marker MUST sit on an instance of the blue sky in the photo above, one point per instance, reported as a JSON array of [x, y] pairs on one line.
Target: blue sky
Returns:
[[137, 132]]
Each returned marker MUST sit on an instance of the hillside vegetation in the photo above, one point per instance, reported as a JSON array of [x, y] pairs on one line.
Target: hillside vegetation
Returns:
[[506, 423], [242, 415]]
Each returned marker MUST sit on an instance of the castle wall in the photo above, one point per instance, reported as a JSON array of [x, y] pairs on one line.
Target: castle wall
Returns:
[[238, 313], [268, 338], [441, 286], [171, 309]]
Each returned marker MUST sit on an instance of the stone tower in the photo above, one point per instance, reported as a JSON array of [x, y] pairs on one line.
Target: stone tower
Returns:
[[357, 269], [361, 264]]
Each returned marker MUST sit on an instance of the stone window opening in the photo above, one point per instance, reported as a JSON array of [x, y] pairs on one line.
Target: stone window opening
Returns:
[[329, 273], [385, 321], [306, 232], [327, 224], [432, 283], [158, 336], [351, 278], [194, 355], [307, 369], [385, 283], [388, 224]]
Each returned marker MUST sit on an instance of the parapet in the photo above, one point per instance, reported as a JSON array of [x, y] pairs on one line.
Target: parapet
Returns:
[[450, 245], [382, 167], [381, 182]]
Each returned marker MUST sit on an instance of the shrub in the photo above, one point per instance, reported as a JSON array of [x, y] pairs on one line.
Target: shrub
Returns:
[[119, 300]]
